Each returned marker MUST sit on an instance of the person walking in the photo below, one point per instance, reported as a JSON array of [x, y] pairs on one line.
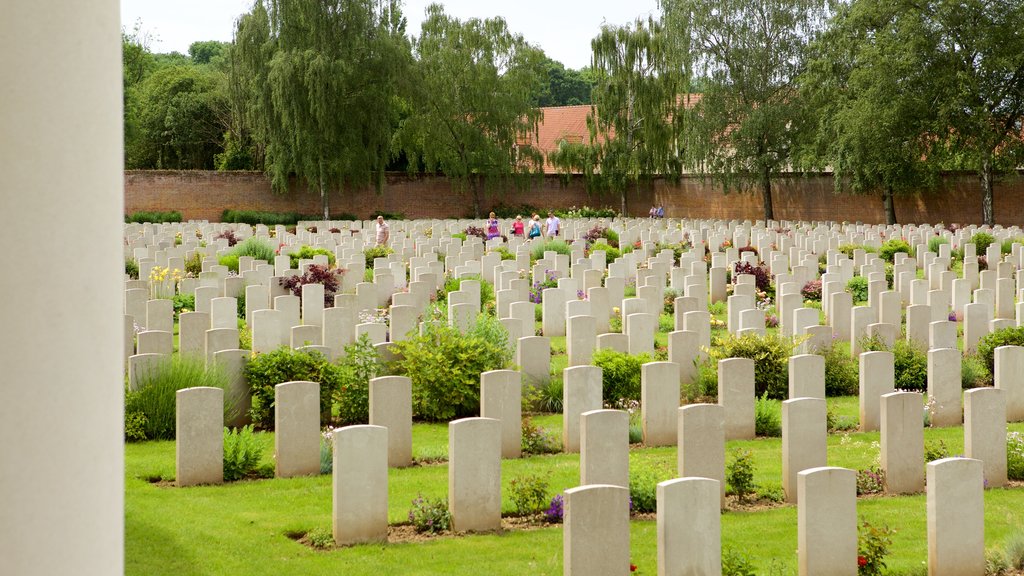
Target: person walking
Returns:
[[535, 230], [383, 231], [553, 225], [518, 227], [492, 226]]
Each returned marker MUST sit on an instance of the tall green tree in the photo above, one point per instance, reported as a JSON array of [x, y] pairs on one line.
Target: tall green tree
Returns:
[[978, 65], [748, 55], [872, 98], [634, 121], [320, 79], [472, 110], [564, 86]]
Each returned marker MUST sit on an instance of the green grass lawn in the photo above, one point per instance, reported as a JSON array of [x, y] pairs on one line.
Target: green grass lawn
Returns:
[[243, 527]]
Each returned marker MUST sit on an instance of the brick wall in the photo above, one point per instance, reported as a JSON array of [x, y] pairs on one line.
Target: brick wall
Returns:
[[202, 195]]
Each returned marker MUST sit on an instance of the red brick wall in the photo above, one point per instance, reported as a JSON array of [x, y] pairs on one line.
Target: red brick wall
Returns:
[[204, 195]]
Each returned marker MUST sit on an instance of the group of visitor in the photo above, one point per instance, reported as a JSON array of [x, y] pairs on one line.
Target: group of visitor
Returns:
[[532, 229], [657, 211]]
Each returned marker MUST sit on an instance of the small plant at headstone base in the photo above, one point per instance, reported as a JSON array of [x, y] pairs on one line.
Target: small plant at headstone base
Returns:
[[537, 288], [842, 374], [315, 274], [131, 268], [537, 440], [486, 288], [890, 247], [1013, 550], [910, 363], [555, 510], [620, 374], [1015, 455], [858, 288], [812, 290], [670, 296], [430, 515], [374, 252], [762, 277], [194, 265], [265, 371], [155, 395], [736, 564], [704, 388], [643, 491], [836, 423], [244, 335], [1013, 336], [445, 366], [557, 246], [767, 417], [873, 544], [529, 494], [242, 453], [183, 303], [739, 474], [228, 235], [935, 450], [770, 354], [973, 373], [327, 450], [870, 480], [981, 241], [360, 364], [134, 426], [935, 242], [320, 538]]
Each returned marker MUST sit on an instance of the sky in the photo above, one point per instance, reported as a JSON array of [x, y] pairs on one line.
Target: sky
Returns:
[[562, 28]]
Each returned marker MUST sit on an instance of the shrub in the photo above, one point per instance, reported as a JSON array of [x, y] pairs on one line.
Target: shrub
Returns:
[[981, 241], [273, 218], [267, 370], [910, 364], [889, 249], [858, 288], [361, 364], [1015, 455], [842, 374], [194, 264], [155, 395], [586, 212], [736, 564], [935, 241], [134, 426], [242, 453], [770, 354], [558, 246], [973, 373], [767, 417], [849, 248], [505, 253], [935, 450], [430, 515], [320, 538], [486, 288], [812, 290], [620, 374], [1013, 336], [556, 510], [870, 481], [307, 253], [374, 252], [529, 494], [502, 210], [762, 277], [1007, 245], [131, 268], [445, 365], [537, 440], [873, 544], [611, 253], [257, 248], [1013, 549], [154, 217], [183, 303], [315, 274], [739, 474], [705, 386], [643, 491], [228, 235]]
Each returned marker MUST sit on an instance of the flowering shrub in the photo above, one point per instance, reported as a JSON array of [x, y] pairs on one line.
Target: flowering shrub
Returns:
[[556, 510], [430, 515], [812, 290], [228, 235], [537, 440], [537, 289], [315, 274], [762, 277], [529, 493], [870, 480], [873, 544]]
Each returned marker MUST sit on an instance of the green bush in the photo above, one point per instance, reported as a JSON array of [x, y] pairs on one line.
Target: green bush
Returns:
[[504, 211], [430, 515], [559, 246], [529, 494], [504, 252], [307, 253], [981, 241], [131, 268], [361, 364], [271, 218], [445, 366], [858, 288], [739, 474], [537, 440], [257, 248], [736, 564], [242, 453], [849, 248], [935, 241], [910, 364], [705, 386], [155, 395], [842, 374], [611, 253], [889, 249], [265, 371], [134, 426], [770, 354], [486, 288], [1013, 336], [153, 217], [620, 375], [375, 252], [767, 417], [873, 543], [973, 373], [1007, 245], [183, 303], [194, 264], [643, 490], [1015, 455]]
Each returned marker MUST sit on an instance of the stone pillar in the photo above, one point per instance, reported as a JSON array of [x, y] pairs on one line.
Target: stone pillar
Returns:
[[944, 387], [689, 527], [501, 398], [701, 442], [985, 432], [827, 521], [297, 429], [474, 474], [877, 378], [736, 395], [360, 485], [199, 436], [604, 448], [391, 408], [581, 392], [804, 440], [595, 537], [659, 402], [902, 442], [956, 517], [61, 153]]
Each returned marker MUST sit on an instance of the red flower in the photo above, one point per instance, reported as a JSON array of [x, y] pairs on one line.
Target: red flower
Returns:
[[632, 567], [862, 561]]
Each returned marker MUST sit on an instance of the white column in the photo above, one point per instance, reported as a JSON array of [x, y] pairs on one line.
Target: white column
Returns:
[[61, 423]]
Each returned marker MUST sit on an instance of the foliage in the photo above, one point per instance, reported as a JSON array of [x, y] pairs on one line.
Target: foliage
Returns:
[[360, 364], [1013, 549], [134, 426], [502, 210], [474, 89], [183, 303], [890, 248], [486, 288], [537, 289], [529, 493], [242, 453], [767, 417], [537, 440], [267, 218], [307, 253], [315, 274], [1012, 336], [588, 212], [556, 510], [194, 264], [445, 365], [504, 252], [981, 241], [643, 490], [155, 394], [430, 515], [705, 385], [973, 373], [739, 474], [935, 450], [375, 252], [736, 564], [812, 290], [858, 288], [558, 246], [842, 374], [935, 242], [770, 354], [762, 277], [153, 217], [873, 544], [910, 364], [320, 538], [327, 451], [848, 249], [257, 248], [319, 84], [228, 235], [265, 371], [564, 86], [870, 481], [1015, 456], [620, 374], [131, 268]]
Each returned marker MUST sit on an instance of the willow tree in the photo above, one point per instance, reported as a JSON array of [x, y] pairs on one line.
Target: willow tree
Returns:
[[873, 102], [748, 55], [472, 111], [321, 79], [633, 122]]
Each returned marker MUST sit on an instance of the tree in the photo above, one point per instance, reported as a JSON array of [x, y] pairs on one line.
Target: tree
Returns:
[[475, 87], [207, 51], [873, 103], [633, 122], [748, 55], [978, 65], [564, 86], [320, 81]]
